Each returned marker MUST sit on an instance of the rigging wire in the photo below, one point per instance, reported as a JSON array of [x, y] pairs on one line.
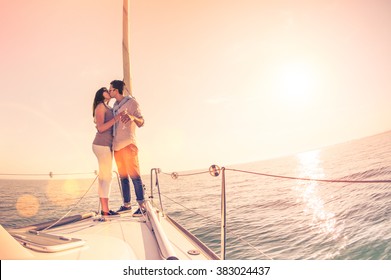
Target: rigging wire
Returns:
[[175, 175], [50, 174], [215, 171], [217, 224], [310, 179], [283, 177], [72, 208], [188, 174]]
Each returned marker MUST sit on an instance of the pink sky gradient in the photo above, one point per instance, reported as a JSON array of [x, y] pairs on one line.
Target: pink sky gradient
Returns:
[[219, 82]]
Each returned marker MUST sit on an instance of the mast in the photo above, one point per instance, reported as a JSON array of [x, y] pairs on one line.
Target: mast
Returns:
[[126, 48]]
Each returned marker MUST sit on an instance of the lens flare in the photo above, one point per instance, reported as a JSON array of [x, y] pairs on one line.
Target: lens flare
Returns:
[[27, 205], [63, 193]]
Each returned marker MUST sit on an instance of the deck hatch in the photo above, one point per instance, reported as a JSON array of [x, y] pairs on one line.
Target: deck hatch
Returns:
[[44, 242]]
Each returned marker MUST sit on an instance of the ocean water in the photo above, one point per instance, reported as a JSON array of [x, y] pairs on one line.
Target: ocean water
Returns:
[[267, 217]]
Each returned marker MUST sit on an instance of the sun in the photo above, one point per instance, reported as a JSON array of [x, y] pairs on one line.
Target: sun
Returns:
[[295, 83]]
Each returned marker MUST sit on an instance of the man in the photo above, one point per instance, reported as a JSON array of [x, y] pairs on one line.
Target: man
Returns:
[[125, 147]]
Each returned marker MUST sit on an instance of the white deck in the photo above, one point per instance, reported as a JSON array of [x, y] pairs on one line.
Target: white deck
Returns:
[[124, 237]]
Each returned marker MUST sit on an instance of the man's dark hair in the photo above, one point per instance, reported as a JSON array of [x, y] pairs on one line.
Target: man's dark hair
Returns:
[[117, 84]]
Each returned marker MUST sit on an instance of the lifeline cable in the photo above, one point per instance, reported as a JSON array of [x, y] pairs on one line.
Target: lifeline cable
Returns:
[[214, 222], [310, 179], [284, 177], [50, 174]]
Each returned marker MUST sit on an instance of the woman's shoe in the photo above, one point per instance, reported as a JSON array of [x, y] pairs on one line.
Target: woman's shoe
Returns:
[[110, 213]]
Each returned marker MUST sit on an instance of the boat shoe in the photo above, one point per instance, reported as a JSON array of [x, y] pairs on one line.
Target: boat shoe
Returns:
[[140, 212], [110, 213], [124, 209]]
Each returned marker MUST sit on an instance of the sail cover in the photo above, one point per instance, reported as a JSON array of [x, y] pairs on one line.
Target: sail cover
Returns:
[[126, 48]]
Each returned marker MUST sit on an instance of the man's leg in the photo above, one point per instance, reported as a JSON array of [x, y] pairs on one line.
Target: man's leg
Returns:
[[134, 172], [138, 189], [125, 186], [120, 160]]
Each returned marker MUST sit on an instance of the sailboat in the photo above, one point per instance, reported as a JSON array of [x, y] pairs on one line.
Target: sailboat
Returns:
[[89, 236]]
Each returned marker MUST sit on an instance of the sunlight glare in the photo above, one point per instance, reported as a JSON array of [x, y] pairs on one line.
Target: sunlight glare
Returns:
[[63, 193], [296, 83]]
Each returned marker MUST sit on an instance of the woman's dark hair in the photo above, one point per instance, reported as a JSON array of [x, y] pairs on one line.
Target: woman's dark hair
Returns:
[[99, 98], [118, 84]]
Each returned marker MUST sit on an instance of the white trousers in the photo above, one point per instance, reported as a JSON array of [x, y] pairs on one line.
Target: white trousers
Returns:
[[105, 161]]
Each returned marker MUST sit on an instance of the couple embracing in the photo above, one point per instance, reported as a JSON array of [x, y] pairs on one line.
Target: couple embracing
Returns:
[[116, 129]]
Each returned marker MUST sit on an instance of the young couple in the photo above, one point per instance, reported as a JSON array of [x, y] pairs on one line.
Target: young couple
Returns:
[[116, 129]]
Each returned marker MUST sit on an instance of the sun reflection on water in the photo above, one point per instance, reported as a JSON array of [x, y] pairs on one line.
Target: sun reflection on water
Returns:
[[323, 219]]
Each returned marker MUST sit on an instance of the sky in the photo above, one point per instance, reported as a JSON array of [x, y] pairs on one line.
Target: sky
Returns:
[[218, 81]]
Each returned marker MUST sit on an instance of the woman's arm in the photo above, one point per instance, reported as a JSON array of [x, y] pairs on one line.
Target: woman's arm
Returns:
[[101, 125]]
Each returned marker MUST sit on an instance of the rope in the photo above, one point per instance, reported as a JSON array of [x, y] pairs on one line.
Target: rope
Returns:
[[73, 207], [176, 175], [50, 174], [216, 172], [310, 179], [183, 175]]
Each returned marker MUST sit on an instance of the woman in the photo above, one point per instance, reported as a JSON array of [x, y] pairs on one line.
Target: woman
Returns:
[[104, 120]]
